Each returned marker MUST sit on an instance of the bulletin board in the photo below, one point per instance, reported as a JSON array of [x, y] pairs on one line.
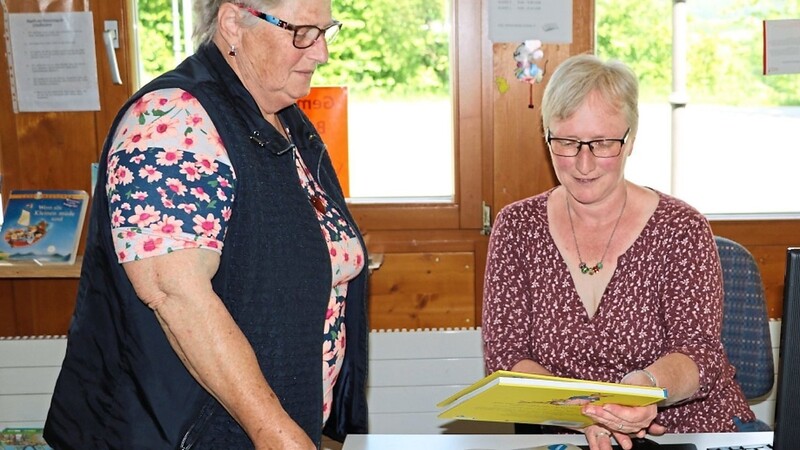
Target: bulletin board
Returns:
[[51, 56]]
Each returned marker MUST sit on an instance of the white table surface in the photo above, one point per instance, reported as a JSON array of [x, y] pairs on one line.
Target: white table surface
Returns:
[[527, 442]]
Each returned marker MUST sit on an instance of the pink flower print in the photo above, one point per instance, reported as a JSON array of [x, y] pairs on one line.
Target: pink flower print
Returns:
[[327, 351], [341, 341], [188, 142], [137, 159], [129, 234], [346, 257], [150, 173], [139, 107], [226, 213], [190, 170], [115, 198], [359, 259], [123, 175], [149, 245], [175, 185], [186, 97], [223, 182], [165, 126], [200, 194], [161, 101], [126, 206], [132, 141], [206, 164], [168, 225], [215, 139], [169, 156], [122, 256], [181, 97], [188, 208], [333, 252], [117, 220], [221, 194], [213, 244], [113, 161], [191, 244], [167, 202], [143, 217], [139, 195], [206, 226], [194, 120]]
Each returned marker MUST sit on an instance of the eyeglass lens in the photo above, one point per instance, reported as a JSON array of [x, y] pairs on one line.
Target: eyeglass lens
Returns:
[[306, 35]]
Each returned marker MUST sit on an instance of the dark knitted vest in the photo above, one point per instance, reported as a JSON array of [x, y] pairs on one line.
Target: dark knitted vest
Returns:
[[121, 384]]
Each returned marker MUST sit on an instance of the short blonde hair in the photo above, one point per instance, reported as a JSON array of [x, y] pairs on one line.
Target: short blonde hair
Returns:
[[579, 76]]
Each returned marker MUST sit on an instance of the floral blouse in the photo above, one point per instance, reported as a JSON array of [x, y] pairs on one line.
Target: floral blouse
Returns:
[[170, 186]]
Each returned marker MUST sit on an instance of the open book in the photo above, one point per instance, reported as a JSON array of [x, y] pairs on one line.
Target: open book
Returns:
[[43, 226], [526, 398]]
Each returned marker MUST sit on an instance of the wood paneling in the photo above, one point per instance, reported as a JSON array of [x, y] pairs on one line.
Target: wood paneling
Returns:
[[434, 254], [520, 158], [423, 290], [54, 150]]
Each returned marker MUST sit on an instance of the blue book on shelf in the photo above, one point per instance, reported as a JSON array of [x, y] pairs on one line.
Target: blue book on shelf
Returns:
[[42, 226]]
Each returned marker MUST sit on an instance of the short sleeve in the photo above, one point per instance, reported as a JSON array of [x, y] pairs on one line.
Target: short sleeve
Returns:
[[169, 182]]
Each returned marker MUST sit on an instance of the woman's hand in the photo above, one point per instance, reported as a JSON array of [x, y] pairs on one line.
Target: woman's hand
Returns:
[[598, 437], [621, 422]]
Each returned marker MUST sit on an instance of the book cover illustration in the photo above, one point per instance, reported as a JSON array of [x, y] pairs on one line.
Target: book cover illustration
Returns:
[[526, 398], [42, 226], [23, 439]]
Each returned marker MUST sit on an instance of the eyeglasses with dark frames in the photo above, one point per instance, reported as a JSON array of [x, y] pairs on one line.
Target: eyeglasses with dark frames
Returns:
[[304, 35], [601, 148]]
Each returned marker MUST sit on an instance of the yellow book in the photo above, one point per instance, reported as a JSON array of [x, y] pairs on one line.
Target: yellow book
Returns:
[[539, 399]]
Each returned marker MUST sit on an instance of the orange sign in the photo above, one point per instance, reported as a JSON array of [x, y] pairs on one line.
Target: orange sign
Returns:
[[326, 107]]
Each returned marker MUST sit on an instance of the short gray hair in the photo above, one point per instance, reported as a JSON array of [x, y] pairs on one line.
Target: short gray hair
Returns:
[[580, 75], [205, 15]]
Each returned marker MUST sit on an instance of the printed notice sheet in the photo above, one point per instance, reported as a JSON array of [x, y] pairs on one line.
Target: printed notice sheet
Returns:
[[53, 61], [781, 46], [549, 21]]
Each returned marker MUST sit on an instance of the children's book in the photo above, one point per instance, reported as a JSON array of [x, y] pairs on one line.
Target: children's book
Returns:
[[518, 397], [43, 226], [22, 439]]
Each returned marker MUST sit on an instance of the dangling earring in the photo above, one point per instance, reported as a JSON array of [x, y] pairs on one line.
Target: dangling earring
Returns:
[[232, 51]]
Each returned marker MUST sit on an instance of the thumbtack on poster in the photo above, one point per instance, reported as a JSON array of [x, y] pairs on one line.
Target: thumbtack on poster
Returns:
[[781, 46], [53, 61]]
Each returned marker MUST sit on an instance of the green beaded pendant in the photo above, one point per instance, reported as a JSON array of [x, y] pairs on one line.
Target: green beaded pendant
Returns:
[[590, 270]]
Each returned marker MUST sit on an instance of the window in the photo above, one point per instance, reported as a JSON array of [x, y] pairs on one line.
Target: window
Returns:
[[415, 106], [736, 151], [394, 57]]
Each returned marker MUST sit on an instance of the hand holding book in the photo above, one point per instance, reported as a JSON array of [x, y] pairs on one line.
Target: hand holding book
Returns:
[[539, 399]]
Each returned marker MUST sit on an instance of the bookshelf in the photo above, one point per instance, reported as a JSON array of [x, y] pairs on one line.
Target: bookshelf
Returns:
[[33, 270]]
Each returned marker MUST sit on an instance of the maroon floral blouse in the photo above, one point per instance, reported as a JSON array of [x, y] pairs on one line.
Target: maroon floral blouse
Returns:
[[664, 297]]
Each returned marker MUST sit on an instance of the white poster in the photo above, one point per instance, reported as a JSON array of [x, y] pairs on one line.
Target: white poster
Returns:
[[549, 21], [53, 61], [781, 46]]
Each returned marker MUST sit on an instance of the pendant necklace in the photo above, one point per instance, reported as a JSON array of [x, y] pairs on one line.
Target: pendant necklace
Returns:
[[583, 266]]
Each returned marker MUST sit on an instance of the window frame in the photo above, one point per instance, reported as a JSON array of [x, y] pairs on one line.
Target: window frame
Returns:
[[469, 117]]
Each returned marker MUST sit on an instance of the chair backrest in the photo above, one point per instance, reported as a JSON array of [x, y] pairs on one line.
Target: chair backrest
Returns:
[[745, 324]]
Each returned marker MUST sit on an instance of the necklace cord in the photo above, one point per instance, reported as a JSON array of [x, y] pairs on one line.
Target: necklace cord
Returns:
[[584, 268]]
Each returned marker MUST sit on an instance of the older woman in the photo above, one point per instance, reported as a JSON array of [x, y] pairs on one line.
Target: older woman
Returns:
[[601, 279], [221, 256]]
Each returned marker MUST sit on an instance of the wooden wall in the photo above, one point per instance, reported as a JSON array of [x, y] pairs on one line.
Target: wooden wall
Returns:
[[434, 256], [54, 150]]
